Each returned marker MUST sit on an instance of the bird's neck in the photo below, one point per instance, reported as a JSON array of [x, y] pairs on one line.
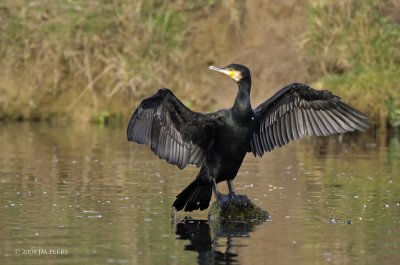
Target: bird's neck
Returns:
[[242, 101]]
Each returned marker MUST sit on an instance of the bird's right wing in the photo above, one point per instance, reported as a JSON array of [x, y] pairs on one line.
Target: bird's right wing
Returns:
[[173, 131]]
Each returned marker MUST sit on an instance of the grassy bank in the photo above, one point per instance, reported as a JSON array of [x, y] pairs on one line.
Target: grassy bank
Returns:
[[83, 59], [94, 60], [354, 50]]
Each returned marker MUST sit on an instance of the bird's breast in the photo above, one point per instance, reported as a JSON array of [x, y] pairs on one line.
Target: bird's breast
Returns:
[[235, 136]]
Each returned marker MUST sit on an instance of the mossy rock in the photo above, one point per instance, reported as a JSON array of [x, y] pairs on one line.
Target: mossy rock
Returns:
[[236, 208]]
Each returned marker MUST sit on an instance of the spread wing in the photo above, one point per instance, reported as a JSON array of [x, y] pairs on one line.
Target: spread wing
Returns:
[[173, 131], [298, 110]]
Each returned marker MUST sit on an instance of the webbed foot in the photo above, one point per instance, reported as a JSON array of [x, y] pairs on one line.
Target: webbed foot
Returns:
[[222, 198], [237, 197]]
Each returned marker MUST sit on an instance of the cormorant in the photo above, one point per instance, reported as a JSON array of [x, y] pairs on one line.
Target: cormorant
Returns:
[[218, 142]]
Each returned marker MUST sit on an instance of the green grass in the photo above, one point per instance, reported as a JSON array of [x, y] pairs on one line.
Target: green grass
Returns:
[[354, 51], [86, 56]]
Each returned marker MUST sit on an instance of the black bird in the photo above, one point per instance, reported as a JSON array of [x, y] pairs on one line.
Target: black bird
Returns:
[[218, 142]]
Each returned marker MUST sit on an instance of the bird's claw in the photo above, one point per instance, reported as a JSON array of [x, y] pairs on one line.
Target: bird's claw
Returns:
[[222, 198], [233, 196], [237, 197]]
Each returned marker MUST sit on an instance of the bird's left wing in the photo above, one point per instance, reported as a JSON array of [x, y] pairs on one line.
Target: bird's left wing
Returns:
[[298, 110], [173, 131]]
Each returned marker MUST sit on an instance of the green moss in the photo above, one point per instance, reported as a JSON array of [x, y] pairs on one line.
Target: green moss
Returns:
[[236, 209]]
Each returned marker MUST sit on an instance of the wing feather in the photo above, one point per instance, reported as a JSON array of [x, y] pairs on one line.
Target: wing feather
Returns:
[[298, 110], [174, 132]]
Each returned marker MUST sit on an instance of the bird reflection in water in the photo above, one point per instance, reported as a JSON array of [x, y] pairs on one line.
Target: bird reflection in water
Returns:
[[205, 238]]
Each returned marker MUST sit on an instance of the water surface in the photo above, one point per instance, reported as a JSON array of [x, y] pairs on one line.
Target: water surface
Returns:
[[87, 196]]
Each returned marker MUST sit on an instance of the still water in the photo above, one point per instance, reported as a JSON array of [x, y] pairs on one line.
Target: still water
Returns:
[[84, 195]]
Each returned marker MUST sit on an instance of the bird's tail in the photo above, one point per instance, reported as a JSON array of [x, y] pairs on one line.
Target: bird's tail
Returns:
[[195, 196]]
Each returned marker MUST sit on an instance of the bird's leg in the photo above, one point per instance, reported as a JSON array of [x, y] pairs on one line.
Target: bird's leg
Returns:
[[221, 198], [218, 194], [232, 193]]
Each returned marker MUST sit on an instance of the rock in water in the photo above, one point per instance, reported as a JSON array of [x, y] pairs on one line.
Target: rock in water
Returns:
[[236, 208]]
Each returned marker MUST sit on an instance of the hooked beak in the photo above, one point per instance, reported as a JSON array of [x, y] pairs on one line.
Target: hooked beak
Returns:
[[220, 69], [235, 75]]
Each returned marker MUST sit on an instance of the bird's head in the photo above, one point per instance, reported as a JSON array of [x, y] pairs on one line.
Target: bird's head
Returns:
[[235, 71]]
